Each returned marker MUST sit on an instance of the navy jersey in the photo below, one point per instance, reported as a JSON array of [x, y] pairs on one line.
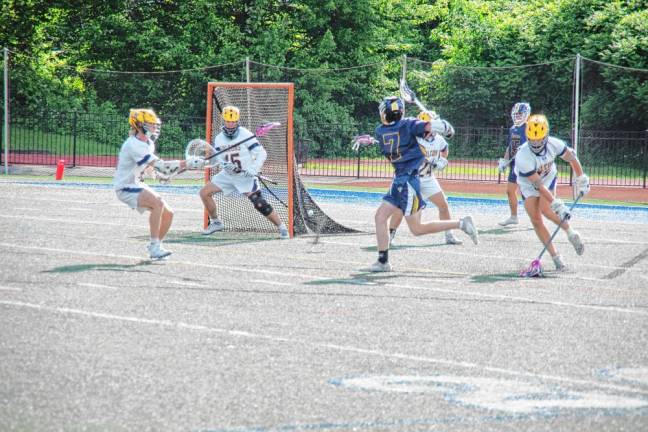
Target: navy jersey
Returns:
[[516, 137], [399, 145]]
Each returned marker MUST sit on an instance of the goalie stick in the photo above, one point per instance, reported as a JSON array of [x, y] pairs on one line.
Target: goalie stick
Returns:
[[535, 268]]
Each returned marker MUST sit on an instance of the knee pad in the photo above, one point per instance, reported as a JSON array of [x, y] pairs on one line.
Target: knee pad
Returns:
[[260, 203]]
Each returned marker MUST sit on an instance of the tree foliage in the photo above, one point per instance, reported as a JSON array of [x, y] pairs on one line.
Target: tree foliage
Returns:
[[69, 55]]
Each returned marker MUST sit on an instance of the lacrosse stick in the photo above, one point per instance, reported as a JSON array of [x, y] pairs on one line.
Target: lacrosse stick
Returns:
[[408, 95], [363, 141], [209, 152], [535, 268], [437, 124]]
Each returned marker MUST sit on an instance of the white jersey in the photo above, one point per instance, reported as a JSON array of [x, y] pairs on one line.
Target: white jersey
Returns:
[[249, 154], [528, 163], [134, 157], [431, 149]]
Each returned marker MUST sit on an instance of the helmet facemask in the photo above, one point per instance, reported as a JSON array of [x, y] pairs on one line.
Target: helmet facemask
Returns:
[[538, 146], [152, 130], [231, 116], [520, 113]]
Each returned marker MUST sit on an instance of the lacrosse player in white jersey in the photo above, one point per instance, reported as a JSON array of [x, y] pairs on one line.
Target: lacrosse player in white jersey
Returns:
[[239, 169], [537, 175], [436, 154], [137, 158]]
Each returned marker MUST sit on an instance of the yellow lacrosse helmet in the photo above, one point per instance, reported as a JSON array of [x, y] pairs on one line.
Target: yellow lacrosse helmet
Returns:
[[231, 113], [537, 132], [427, 116], [139, 117]]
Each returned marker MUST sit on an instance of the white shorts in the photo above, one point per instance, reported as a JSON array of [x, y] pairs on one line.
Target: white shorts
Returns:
[[130, 196], [528, 190], [235, 183], [430, 186]]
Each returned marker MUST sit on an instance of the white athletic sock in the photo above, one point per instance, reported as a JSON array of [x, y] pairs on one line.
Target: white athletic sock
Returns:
[[155, 240], [282, 226], [570, 231]]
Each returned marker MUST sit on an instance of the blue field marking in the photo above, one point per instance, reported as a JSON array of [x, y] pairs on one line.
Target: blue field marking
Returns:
[[398, 424], [494, 206]]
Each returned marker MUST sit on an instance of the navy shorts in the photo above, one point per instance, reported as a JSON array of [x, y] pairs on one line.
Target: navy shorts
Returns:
[[512, 178], [405, 193]]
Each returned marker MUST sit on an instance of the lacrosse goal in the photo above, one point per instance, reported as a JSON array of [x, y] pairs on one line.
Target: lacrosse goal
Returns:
[[260, 103]]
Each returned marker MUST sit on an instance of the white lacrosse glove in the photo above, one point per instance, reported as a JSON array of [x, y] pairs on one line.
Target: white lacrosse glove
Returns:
[[228, 167], [249, 172], [502, 164], [195, 163], [559, 207], [439, 163], [581, 185]]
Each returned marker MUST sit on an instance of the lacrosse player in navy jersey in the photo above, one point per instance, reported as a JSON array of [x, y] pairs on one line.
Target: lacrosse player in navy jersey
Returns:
[[537, 176], [397, 140], [436, 159], [239, 168], [516, 137], [136, 158]]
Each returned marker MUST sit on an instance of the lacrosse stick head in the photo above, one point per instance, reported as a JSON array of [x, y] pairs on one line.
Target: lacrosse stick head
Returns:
[[534, 269], [198, 148], [363, 141], [265, 128], [406, 92]]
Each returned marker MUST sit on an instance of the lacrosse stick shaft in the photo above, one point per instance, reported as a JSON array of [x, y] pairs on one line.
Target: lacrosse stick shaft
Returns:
[[546, 246], [230, 147]]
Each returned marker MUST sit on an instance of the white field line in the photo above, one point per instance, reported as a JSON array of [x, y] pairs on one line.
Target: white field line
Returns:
[[94, 285], [319, 345], [268, 282], [310, 277], [504, 258], [6, 288], [339, 243]]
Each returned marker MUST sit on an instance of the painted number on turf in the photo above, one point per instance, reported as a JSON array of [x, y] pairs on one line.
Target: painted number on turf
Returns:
[[494, 394]]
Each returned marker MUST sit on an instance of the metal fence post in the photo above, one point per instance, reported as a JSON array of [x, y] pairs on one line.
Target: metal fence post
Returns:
[[74, 138], [358, 165]]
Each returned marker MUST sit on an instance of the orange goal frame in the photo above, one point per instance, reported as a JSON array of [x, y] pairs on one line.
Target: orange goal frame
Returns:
[[290, 168]]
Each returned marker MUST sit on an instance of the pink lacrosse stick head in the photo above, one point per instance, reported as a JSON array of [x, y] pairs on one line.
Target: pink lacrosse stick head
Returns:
[[265, 128], [364, 140], [534, 269]]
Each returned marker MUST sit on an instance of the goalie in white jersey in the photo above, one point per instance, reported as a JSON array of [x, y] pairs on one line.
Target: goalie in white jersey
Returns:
[[239, 169], [137, 158], [436, 159], [537, 175]]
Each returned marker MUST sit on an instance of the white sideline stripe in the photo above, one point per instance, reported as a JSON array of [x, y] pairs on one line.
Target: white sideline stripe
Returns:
[[309, 277], [319, 345], [6, 288], [94, 285], [263, 281], [190, 284]]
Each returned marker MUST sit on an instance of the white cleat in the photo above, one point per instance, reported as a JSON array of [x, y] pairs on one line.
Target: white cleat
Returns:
[[513, 220], [467, 225], [283, 233], [156, 251], [213, 226], [451, 239], [575, 240], [559, 263], [380, 267]]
